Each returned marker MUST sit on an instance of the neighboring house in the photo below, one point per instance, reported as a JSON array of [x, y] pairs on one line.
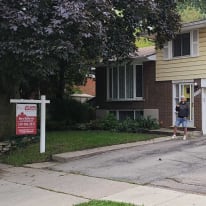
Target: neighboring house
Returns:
[[82, 97], [90, 86], [87, 91], [151, 85]]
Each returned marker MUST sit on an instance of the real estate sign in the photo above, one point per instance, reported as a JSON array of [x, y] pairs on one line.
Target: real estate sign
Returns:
[[26, 119]]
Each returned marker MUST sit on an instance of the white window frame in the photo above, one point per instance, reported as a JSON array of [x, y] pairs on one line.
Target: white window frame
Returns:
[[180, 83], [194, 47], [134, 85]]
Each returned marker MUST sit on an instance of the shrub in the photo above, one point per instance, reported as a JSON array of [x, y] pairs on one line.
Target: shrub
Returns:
[[147, 123], [64, 113], [128, 125], [109, 122]]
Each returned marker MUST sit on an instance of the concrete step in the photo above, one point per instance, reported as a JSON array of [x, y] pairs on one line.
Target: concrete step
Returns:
[[169, 132], [165, 131], [195, 133]]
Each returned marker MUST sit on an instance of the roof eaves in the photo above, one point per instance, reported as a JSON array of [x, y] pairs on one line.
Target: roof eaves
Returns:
[[194, 25]]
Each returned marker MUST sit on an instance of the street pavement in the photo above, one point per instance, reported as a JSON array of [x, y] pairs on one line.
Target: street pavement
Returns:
[[153, 173], [174, 164]]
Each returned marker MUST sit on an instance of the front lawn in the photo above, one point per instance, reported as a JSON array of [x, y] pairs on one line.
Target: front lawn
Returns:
[[67, 141]]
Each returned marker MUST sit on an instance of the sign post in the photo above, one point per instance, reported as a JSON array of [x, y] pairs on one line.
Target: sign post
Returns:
[[24, 120], [43, 124]]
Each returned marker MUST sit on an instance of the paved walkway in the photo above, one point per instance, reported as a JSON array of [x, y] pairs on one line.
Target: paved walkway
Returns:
[[36, 184]]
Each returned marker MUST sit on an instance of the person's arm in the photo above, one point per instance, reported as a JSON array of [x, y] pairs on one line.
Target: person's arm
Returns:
[[177, 108]]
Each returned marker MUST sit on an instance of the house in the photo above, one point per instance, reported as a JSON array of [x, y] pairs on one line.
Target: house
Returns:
[[182, 65], [87, 91], [152, 83], [129, 89]]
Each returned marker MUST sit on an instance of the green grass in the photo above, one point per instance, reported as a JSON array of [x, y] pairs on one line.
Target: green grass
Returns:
[[104, 203], [67, 141]]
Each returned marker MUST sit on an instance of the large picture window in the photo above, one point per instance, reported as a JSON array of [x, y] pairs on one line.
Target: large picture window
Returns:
[[125, 82]]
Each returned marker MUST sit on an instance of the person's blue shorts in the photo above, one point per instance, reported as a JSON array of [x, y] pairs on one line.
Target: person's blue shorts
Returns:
[[180, 121]]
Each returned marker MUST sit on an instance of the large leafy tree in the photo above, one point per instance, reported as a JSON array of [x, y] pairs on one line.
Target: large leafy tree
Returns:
[[192, 10], [198, 4], [51, 42]]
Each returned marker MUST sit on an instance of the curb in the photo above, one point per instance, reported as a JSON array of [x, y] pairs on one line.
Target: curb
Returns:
[[68, 156]]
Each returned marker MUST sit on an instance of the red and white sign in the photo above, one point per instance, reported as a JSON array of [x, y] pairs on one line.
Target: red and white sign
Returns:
[[26, 119]]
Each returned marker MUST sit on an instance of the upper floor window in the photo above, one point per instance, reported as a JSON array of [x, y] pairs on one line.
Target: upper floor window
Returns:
[[185, 44], [125, 82], [181, 45]]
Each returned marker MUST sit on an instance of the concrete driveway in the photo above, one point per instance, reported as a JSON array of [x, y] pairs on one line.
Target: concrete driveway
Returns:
[[174, 164], [160, 169]]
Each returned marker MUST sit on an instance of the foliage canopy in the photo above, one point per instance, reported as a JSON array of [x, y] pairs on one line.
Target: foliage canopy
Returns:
[[192, 10], [51, 42]]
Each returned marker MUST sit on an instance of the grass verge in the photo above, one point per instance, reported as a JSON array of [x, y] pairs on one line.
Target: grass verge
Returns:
[[104, 203], [68, 141]]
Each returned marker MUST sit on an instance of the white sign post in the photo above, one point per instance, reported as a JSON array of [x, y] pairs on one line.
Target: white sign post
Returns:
[[43, 103]]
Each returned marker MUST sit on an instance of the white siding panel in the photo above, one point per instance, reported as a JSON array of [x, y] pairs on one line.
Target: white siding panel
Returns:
[[185, 67]]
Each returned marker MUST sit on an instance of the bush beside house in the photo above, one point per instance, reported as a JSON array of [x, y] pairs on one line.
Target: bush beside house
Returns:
[[64, 113]]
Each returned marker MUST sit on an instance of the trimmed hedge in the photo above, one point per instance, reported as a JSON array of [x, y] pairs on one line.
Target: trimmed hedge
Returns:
[[110, 123]]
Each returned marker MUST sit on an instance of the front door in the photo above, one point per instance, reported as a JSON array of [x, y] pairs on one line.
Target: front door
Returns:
[[187, 90]]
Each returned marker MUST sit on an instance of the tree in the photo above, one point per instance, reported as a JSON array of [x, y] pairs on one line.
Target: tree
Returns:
[[192, 10], [51, 42], [198, 4]]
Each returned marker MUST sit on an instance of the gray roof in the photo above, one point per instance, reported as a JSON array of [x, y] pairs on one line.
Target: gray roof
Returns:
[[143, 52], [146, 51]]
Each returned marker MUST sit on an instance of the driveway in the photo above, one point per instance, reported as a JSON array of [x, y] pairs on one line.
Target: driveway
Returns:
[[174, 164]]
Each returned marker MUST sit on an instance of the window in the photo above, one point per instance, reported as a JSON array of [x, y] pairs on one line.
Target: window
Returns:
[[124, 114], [181, 45], [125, 82], [185, 44], [139, 82]]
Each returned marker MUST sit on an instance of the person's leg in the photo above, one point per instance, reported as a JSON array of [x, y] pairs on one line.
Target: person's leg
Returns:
[[185, 131], [175, 127], [175, 130], [184, 124]]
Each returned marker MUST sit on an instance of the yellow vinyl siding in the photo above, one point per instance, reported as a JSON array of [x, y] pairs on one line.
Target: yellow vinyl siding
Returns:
[[184, 67]]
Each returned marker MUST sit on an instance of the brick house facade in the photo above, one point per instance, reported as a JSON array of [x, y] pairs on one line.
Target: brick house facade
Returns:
[[157, 97], [156, 100]]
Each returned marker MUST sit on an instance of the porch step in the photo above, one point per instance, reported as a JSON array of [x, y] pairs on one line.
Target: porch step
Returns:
[[169, 132], [195, 133]]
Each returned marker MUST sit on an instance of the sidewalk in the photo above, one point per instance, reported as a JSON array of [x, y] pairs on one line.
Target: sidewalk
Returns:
[[21, 186]]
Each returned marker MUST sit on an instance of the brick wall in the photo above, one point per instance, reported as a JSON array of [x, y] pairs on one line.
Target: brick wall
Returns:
[[89, 87], [158, 95]]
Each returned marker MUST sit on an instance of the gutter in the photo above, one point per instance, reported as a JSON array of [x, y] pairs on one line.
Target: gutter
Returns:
[[193, 25]]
